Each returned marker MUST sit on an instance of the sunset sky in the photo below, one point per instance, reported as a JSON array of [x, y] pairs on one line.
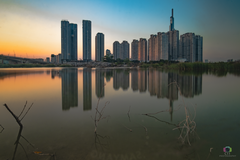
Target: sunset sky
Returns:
[[32, 28]]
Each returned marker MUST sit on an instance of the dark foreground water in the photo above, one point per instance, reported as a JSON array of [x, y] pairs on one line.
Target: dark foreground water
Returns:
[[63, 117]]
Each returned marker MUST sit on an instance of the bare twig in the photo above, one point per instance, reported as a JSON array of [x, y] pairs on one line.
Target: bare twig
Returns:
[[127, 128], [23, 109], [167, 110], [27, 141], [16, 118], [209, 153], [128, 114], [27, 111], [23, 150], [188, 125], [2, 128]]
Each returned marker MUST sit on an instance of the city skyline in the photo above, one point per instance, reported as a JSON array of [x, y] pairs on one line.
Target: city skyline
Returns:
[[31, 28]]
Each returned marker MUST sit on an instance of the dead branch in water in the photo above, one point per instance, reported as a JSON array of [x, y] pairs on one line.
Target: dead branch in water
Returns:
[[99, 114], [16, 118], [20, 129], [128, 114], [188, 125], [167, 110], [127, 128], [2, 128]]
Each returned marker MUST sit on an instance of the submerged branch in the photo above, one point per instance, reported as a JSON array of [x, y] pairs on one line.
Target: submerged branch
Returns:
[[16, 118]]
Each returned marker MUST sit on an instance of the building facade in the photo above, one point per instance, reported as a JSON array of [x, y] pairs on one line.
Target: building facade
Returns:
[[68, 41], [142, 50], [116, 50], [87, 40], [188, 47], [134, 49], [152, 48], [124, 51], [99, 47]]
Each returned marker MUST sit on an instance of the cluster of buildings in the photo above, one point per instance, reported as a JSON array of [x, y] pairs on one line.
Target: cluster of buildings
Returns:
[[162, 46], [168, 46]]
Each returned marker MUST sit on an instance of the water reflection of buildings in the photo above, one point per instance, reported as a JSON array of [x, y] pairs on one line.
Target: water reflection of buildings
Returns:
[[87, 89], [99, 80], [159, 85], [134, 79], [120, 79], [55, 73], [142, 80], [69, 88]]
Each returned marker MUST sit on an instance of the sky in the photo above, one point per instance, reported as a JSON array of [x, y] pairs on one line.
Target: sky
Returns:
[[32, 28]]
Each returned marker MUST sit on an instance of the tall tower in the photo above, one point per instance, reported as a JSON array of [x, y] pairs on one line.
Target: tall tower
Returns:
[[171, 27], [64, 38], [68, 40], [87, 39], [99, 47]]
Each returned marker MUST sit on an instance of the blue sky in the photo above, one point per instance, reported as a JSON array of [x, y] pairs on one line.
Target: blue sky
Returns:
[[36, 24]]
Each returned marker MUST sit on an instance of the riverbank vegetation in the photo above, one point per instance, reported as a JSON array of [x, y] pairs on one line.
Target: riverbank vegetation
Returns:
[[24, 65]]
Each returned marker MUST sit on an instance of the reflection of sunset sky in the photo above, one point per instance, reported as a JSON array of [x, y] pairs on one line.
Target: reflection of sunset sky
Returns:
[[32, 28]]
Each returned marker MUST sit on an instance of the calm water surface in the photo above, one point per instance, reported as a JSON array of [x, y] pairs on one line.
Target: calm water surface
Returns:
[[62, 118]]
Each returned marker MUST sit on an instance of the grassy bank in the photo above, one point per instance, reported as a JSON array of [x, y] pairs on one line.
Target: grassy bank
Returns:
[[187, 66]]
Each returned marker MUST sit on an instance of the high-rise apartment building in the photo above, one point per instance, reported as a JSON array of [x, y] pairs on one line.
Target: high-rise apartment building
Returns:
[[99, 47], [199, 48], [191, 47], [124, 51], [173, 45], [134, 48], [116, 50], [142, 50], [68, 41], [162, 46], [188, 47], [152, 48], [87, 40]]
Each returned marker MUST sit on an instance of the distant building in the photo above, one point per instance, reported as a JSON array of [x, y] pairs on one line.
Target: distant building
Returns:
[[99, 47], [230, 60], [87, 37], [108, 52], [68, 41], [47, 60], [162, 46], [116, 50], [152, 46], [134, 48], [190, 47], [124, 51], [206, 60], [199, 48], [142, 50], [173, 45], [59, 58], [53, 58]]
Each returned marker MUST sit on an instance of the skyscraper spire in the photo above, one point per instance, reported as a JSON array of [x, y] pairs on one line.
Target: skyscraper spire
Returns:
[[171, 27]]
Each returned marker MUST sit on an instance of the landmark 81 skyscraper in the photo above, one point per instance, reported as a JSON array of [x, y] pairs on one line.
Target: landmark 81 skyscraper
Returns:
[[68, 41], [87, 39]]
